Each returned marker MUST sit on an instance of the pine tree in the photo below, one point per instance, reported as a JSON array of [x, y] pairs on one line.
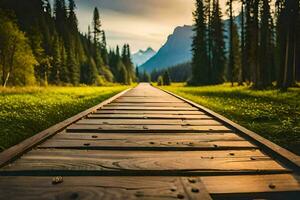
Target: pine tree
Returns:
[[243, 75], [137, 74], [199, 46], [247, 42], [166, 78], [56, 62], [236, 71], [231, 63], [218, 45], [96, 27], [287, 33], [104, 53], [265, 48]]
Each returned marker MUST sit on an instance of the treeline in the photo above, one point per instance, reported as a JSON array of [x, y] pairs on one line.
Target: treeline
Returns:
[[178, 73], [41, 44], [265, 50]]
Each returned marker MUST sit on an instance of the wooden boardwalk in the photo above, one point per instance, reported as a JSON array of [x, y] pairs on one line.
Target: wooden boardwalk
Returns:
[[145, 143]]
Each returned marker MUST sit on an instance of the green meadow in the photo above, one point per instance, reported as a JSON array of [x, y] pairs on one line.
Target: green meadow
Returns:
[[273, 114], [28, 110]]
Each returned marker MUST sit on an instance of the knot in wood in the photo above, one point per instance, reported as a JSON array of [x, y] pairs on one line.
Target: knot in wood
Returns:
[[57, 180]]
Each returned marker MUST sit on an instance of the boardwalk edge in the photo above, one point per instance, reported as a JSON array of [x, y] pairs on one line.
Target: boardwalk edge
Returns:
[[266, 145]]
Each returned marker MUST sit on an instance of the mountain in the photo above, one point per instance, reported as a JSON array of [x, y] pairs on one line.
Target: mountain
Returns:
[[175, 51], [141, 56]]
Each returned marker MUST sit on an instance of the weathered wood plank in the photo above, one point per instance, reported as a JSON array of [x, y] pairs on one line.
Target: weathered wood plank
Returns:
[[144, 128], [144, 100], [148, 116], [169, 112], [116, 188], [148, 142], [147, 108], [253, 186], [149, 122], [209, 137], [150, 104], [161, 162]]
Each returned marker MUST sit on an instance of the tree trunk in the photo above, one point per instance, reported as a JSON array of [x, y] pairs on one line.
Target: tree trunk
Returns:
[[286, 63], [6, 79]]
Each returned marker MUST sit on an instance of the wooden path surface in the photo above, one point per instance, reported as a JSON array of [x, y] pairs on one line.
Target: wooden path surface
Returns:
[[148, 144]]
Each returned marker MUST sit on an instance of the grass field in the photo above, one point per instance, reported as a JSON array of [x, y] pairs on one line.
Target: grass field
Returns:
[[272, 114], [27, 111]]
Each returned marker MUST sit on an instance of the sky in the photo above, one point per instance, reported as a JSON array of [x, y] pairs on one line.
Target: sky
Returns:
[[141, 23]]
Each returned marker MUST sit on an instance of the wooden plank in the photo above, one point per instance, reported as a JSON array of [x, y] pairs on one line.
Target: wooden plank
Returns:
[[152, 162], [144, 128], [116, 188], [29, 143], [254, 186], [157, 112], [148, 142], [209, 137], [268, 146], [143, 100], [149, 122], [150, 104], [147, 108], [148, 116]]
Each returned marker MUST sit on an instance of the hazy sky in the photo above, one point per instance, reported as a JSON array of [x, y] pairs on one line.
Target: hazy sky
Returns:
[[141, 23]]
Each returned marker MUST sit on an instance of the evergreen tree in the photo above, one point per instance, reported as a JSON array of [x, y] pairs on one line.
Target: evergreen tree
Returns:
[[137, 74], [236, 71], [166, 78], [96, 27], [288, 14], [231, 64], [266, 47], [199, 46], [126, 59], [243, 75], [247, 42], [56, 62], [218, 45]]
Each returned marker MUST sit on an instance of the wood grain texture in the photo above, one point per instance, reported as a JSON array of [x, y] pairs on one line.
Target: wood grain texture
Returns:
[[146, 188], [149, 122], [150, 104], [164, 142], [129, 112], [147, 116], [144, 128], [147, 108], [251, 184], [135, 162]]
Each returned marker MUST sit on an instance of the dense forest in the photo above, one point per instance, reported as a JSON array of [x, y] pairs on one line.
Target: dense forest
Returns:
[[41, 44], [265, 51]]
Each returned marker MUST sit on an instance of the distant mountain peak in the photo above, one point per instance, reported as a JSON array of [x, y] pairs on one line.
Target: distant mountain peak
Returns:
[[148, 50], [175, 51], [142, 56]]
